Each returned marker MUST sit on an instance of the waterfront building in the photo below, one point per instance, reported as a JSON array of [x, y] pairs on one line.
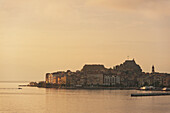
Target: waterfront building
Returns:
[[94, 79], [49, 78], [145, 80], [62, 80], [71, 80], [166, 80], [111, 80]]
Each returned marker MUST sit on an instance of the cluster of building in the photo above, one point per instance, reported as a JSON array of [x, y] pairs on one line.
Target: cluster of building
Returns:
[[128, 74]]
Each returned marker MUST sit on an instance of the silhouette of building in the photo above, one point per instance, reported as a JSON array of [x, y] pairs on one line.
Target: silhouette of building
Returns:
[[127, 74], [93, 68]]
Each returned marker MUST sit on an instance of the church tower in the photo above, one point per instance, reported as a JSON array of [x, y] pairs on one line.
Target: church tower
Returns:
[[153, 69]]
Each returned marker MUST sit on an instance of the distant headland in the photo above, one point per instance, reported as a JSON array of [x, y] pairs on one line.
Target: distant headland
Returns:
[[126, 75]]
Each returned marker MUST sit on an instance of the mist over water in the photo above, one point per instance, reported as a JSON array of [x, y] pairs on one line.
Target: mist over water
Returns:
[[41, 100]]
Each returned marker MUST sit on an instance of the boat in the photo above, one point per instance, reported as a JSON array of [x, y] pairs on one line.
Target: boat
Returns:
[[165, 89], [147, 88]]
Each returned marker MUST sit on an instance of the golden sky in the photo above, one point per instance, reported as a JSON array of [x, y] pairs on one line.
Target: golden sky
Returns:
[[39, 36]]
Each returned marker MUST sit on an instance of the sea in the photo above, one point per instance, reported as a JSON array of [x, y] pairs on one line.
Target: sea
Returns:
[[42, 100]]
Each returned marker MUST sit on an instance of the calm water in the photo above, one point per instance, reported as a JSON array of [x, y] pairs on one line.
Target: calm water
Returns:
[[40, 100]]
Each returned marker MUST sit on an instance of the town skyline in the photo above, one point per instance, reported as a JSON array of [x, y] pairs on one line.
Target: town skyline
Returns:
[[127, 74]]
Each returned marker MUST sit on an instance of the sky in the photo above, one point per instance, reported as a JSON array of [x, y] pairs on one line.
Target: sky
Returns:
[[40, 36]]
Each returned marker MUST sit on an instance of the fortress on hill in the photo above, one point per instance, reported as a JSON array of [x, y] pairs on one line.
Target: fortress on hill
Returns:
[[127, 74]]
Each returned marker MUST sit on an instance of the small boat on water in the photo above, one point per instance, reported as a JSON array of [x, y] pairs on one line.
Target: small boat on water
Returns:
[[147, 88], [165, 89]]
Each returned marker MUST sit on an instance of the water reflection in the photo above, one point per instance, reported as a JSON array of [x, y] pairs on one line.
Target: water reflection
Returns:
[[40, 100]]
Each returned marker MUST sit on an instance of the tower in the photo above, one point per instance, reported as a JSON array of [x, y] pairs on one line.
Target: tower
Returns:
[[153, 69]]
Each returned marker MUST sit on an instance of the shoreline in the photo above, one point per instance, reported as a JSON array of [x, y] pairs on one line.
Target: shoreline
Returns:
[[98, 88], [93, 88], [101, 88]]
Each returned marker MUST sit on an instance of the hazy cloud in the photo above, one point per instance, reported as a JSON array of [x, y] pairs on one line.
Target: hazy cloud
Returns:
[[147, 7]]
